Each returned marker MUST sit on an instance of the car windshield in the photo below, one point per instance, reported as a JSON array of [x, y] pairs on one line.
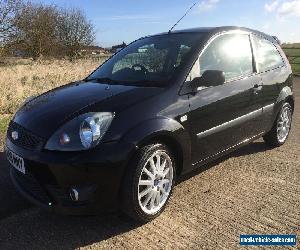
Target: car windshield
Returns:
[[151, 61]]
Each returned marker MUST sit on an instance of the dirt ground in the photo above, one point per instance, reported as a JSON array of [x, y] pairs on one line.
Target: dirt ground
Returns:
[[254, 190]]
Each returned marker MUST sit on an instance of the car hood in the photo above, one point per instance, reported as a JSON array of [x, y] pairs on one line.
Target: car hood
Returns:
[[44, 114]]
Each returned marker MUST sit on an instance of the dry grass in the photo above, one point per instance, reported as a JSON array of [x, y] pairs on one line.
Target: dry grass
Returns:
[[17, 82], [21, 81]]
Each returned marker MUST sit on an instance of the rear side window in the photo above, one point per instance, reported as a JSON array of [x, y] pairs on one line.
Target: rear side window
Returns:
[[267, 56], [230, 53]]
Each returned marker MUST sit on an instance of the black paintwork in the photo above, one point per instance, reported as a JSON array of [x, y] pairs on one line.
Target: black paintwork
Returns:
[[144, 114]]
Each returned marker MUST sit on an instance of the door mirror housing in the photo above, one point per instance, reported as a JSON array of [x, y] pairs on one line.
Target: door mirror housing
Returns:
[[208, 79]]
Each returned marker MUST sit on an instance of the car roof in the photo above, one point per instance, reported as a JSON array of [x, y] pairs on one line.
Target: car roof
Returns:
[[214, 30]]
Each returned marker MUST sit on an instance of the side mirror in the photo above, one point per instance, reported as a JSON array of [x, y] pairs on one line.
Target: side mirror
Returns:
[[209, 78]]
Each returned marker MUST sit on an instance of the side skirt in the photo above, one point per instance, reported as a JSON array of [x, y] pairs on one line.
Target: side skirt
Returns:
[[226, 151]]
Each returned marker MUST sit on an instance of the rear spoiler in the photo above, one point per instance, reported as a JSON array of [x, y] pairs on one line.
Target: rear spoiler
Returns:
[[277, 39]]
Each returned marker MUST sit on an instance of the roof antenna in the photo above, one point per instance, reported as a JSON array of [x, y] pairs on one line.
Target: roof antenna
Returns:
[[182, 17]]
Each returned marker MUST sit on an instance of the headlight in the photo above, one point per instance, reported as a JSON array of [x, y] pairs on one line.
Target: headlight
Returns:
[[81, 133]]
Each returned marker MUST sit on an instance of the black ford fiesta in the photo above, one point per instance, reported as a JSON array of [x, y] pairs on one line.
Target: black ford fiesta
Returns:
[[161, 107]]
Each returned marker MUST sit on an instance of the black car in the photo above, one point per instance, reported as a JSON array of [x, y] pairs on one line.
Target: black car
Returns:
[[158, 109]]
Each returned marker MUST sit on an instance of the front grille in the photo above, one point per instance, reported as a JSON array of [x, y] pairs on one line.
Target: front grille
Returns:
[[26, 139], [31, 186]]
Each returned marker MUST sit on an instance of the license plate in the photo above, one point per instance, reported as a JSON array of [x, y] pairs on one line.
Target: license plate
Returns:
[[16, 161]]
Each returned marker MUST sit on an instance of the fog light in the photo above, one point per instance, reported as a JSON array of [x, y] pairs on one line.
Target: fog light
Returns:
[[82, 193], [64, 139], [74, 195]]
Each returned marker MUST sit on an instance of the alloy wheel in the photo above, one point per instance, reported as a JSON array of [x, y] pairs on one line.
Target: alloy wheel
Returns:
[[155, 182], [284, 124]]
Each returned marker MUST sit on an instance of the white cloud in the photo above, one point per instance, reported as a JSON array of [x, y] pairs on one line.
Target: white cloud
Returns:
[[207, 5], [288, 8], [270, 7], [284, 7]]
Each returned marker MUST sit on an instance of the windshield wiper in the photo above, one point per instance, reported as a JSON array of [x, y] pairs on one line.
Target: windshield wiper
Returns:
[[147, 82], [137, 83], [101, 79]]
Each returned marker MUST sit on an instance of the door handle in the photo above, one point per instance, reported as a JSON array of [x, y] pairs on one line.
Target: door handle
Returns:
[[257, 88]]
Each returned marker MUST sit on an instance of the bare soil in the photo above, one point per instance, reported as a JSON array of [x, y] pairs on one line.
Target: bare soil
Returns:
[[254, 190]]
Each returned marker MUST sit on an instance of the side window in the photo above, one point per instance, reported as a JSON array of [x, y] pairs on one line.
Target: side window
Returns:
[[267, 56], [230, 53]]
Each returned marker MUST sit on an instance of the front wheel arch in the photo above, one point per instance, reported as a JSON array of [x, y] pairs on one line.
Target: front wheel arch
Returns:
[[128, 193], [167, 131], [166, 138], [171, 143]]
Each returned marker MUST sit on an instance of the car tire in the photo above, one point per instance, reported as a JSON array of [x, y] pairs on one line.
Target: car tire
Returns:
[[148, 182], [279, 133]]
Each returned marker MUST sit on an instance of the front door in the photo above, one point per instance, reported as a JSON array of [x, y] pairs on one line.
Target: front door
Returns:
[[224, 115]]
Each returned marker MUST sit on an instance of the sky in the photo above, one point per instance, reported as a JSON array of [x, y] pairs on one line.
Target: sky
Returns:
[[126, 20]]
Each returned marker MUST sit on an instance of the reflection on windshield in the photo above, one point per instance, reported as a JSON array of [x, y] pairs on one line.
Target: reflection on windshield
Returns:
[[149, 61]]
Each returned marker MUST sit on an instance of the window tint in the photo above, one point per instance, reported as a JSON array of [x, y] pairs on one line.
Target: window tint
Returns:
[[151, 61], [230, 53], [267, 56], [146, 56], [183, 52], [151, 58]]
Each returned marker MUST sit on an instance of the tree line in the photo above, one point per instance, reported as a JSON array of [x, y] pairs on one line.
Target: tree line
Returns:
[[39, 30]]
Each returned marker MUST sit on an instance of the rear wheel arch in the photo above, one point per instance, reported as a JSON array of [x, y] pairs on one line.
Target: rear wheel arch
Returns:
[[271, 138], [291, 101], [285, 94]]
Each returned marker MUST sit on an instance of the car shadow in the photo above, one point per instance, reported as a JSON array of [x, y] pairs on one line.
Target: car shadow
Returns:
[[252, 148], [53, 231], [68, 232], [10, 200], [61, 231]]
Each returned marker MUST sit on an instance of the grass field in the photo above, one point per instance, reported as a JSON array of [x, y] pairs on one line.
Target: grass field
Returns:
[[294, 56], [292, 51], [19, 81], [296, 68], [4, 120]]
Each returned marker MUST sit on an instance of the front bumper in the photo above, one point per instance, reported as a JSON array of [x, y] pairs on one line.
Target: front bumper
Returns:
[[51, 175]]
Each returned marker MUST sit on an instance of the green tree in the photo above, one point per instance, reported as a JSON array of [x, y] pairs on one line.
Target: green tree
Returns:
[[74, 31], [35, 28], [8, 11]]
